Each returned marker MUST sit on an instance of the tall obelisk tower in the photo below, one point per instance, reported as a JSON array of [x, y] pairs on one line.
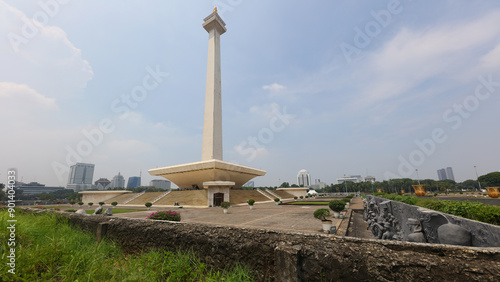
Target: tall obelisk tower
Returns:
[[212, 127]]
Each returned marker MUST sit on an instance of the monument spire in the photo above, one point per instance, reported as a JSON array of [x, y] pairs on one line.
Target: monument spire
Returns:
[[212, 127]]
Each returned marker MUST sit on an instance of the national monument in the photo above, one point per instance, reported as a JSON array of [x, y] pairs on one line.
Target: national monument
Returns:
[[211, 173]]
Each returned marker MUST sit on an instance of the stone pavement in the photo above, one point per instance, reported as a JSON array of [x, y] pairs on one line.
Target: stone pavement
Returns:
[[264, 215]]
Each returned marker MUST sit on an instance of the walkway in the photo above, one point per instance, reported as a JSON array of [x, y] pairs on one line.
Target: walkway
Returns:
[[264, 216]]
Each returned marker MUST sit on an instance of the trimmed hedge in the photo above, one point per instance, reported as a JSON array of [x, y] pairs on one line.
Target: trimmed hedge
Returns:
[[471, 210]]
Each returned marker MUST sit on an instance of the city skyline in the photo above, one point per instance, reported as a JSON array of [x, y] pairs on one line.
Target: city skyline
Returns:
[[388, 87]]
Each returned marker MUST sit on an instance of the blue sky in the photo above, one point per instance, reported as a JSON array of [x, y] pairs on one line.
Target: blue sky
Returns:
[[334, 87]]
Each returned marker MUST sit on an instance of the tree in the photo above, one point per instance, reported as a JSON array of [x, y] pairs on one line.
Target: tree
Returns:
[[294, 186], [490, 179], [284, 185]]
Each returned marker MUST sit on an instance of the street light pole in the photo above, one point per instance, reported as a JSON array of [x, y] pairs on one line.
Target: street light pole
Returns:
[[477, 179], [418, 179]]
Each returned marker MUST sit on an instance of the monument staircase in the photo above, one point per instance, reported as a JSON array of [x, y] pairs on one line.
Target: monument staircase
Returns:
[[133, 198], [159, 197], [283, 194], [187, 198], [122, 198], [144, 198], [269, 196], [242, 196], [273, 194]]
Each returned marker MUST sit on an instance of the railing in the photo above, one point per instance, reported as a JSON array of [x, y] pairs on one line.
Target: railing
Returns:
[[272, 193], [134, 197], [159, 197], [265, 194]]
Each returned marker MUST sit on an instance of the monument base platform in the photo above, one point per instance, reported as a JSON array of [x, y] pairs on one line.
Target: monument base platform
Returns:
[[193, 175]]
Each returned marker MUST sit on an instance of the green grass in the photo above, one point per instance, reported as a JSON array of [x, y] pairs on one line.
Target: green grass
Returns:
[[48, 249], [308, 203]]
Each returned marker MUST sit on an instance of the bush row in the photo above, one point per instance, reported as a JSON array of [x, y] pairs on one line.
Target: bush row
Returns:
[[471, 210]]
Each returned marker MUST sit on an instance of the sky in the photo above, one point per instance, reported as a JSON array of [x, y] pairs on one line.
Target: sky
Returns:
[[382, 88]]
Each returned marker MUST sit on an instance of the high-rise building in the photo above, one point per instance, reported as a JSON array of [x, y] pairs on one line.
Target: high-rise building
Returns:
[[449, 173], [80, 177], [160, 183], [350, 178], [444, 174], [102, 184], [318, 184], [303, 178], [370, 178], [118, 181], [134, 182], [441, 174]]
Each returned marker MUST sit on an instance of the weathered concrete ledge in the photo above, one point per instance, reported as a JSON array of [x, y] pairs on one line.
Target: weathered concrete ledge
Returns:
[[295, 256]]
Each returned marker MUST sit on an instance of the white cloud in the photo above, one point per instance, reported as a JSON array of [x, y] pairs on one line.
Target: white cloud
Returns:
[[413, 56], [45, 60], [273, 87]]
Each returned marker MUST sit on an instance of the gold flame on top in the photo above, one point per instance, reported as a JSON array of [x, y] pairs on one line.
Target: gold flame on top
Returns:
[[215, 9]]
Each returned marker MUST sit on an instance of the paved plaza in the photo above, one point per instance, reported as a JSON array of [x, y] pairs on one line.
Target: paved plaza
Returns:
[[264, 215]]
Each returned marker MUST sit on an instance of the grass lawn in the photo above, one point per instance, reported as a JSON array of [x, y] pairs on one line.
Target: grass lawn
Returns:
[[308, 203], [49, 249]]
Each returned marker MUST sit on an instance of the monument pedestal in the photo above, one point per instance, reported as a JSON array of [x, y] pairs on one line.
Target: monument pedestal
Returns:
[[218, 192], [212, 172]]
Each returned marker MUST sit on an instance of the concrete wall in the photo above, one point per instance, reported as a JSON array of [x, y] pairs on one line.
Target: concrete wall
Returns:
[[482, 234], [295, 191], [294, 256], [101, 196]]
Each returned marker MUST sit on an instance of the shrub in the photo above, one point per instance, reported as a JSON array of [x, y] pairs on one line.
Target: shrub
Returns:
[[225, 205], [346, 200], [251, 202], [295, 197], [276, 199], [114, 204], [148, 205], [101, 203], [379, 193], [80, 203], [350, 196], [321, 214], [71, 202], [302, 197], [90, 204], [58, 202], [336, 205], [165, 215], [70, 210], [307, 197]]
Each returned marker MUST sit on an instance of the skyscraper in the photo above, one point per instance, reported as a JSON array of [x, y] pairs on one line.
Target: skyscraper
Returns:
[[80, 177], [118, 181], [304, 178], [449, 173], [441, 174], [134, 182], [444, 174]]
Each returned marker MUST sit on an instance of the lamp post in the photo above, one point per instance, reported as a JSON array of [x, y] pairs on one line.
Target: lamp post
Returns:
[[418, 179], [477, 179]]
